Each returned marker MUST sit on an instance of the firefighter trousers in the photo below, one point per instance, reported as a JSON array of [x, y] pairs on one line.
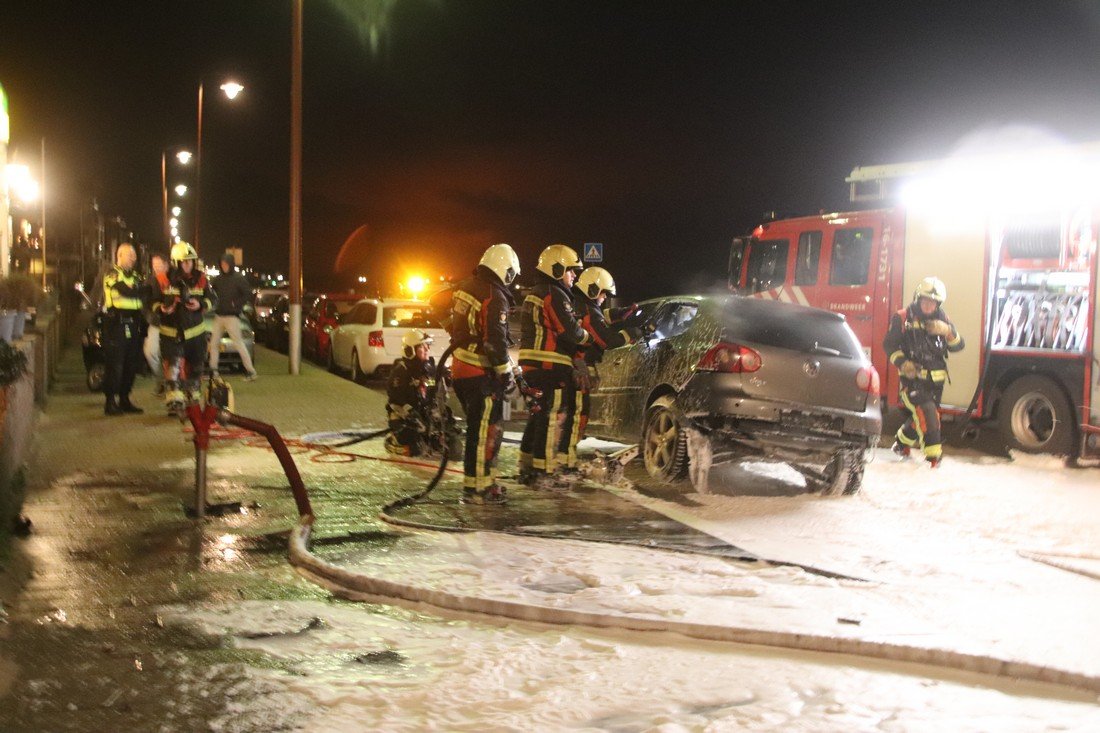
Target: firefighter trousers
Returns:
[[576, 421], [183, 363], [483, 403], [545, 428], [922, 429]]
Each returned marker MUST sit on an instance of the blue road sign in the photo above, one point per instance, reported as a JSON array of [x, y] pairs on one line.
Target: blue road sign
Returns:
[[593, 252]]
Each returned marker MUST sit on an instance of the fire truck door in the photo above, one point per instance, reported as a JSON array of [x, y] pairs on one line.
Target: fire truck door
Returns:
[[850, 275]]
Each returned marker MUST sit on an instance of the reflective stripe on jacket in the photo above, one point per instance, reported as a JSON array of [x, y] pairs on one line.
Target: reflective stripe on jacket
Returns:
[[121, 291]]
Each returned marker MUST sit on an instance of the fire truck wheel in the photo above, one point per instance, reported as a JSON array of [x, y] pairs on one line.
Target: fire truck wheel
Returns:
[[1036, 417]]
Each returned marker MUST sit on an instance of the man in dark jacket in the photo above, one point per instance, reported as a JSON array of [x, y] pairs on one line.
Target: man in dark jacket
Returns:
[[608, 329], [234, 293], [550, 339], [482, 371], [917, 343]]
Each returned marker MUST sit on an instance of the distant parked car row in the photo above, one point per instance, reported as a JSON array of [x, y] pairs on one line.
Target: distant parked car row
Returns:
[[345, 332]]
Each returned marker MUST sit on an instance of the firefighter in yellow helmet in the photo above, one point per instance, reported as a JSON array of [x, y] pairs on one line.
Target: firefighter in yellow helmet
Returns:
[[123, 331], [918, 342], [550, 338], [607, 328], [181, 296], [409, 391], [481, 370]]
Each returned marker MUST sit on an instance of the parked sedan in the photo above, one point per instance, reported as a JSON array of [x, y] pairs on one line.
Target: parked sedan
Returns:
[[368, 339], [320, 319], [264, 300], [738, 377]]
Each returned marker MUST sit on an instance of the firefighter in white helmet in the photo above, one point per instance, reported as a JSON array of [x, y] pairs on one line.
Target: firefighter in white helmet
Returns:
[[608, 328], [550, 339], [481, 369], [409, 391], [181, 296], [918, 342]]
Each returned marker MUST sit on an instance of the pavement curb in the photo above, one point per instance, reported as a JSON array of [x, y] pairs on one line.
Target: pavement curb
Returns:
[[300, 557]]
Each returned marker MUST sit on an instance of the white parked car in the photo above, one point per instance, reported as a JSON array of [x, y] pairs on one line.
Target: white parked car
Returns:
[[368, 339]]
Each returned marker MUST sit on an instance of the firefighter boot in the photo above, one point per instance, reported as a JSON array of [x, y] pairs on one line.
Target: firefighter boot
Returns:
[[901, 450]]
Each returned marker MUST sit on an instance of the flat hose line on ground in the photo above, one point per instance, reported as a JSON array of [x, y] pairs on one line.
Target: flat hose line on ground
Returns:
[[329, 575]]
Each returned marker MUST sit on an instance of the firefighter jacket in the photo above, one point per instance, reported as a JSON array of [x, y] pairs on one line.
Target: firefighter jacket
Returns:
[[551, 331], [174, 288], [601, 327], [121, 292], [409, 389], [479, 325], [907, 339]]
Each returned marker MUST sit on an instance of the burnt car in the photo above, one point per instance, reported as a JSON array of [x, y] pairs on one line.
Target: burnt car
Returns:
[[725, 377]]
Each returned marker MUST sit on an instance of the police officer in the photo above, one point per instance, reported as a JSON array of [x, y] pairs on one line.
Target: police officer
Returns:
[[123, 331], [183, 295], [408, 392], [550, 338], [918, 341], [608, 329], [482, 371]]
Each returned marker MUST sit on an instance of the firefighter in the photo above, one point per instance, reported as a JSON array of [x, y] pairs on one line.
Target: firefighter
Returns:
[[182, 296], [608, 329], [408, 402], [551, 337], [918, 342], [482, 371], [123, 331]]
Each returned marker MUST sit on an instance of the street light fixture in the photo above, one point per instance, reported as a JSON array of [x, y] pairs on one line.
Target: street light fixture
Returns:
[[184, 157], [231, 90], [180, 190]]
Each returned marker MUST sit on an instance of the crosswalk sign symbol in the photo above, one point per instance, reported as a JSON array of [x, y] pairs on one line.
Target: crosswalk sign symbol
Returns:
[[593, 252]]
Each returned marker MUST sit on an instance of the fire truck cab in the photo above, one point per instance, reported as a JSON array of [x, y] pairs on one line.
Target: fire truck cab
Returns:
[[1021, 278]]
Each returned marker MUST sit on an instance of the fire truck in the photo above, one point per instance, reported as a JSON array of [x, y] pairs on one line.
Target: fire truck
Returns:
[[1014, 239]]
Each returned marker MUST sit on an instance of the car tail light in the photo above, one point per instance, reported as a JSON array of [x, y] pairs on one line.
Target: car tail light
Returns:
[[730, 358], [374, 338], [867, 380]]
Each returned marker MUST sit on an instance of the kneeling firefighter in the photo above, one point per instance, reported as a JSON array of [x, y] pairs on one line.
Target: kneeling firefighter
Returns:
[[551, 337], [414, 428], [182, 295], [918, 341], [608, 329], [482, 371]]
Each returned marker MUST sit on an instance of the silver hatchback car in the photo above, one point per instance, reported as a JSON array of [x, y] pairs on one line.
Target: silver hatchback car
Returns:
[[725, 377]]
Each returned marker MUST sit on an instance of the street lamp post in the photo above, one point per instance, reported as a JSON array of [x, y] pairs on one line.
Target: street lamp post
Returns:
[[231, 90], [294, 347]]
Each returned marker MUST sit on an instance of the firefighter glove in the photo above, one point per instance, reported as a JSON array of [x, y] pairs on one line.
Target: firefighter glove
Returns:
[[937, 327], [909, 369], [580, 373], [507, 382]]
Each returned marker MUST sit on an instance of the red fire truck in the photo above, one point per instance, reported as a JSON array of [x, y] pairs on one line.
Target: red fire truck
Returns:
[[1019, 261]]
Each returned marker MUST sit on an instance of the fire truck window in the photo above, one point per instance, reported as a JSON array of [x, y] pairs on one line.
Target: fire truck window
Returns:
[[737, 258], [767, 264], [851, 256], [809, 253]]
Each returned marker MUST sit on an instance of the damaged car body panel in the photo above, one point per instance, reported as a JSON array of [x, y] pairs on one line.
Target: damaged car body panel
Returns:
[[749, 377]]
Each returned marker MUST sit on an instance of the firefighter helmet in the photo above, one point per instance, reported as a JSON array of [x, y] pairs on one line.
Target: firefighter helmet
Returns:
[[183, 251], [932, 288], [501, 260], [414, 338], [556, 259], [595, 280]]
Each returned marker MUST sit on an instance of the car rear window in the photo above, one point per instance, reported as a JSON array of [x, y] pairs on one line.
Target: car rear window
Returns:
[[407, 316], [789, 327]]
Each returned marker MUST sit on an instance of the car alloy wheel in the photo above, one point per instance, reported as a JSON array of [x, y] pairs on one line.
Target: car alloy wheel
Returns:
[[664, 442]]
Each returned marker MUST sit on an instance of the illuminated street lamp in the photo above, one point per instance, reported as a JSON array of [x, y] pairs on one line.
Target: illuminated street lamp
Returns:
[[176, 211], [415, 285], [180, 190], [231, 90], [184, 157], [20, 183]]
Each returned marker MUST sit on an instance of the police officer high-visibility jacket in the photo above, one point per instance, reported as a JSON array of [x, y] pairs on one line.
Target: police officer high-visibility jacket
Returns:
[[479, 325], [175, 287], [551, 332], [911, 338], [121, 292]]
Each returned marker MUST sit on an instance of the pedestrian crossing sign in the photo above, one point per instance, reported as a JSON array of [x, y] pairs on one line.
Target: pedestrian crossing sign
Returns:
[[593, 252]]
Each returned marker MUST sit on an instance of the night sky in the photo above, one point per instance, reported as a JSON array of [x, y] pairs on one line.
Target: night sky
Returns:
[[434, 128]]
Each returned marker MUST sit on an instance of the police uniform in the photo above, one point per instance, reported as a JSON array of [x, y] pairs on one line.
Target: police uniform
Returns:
[[123, 333]]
